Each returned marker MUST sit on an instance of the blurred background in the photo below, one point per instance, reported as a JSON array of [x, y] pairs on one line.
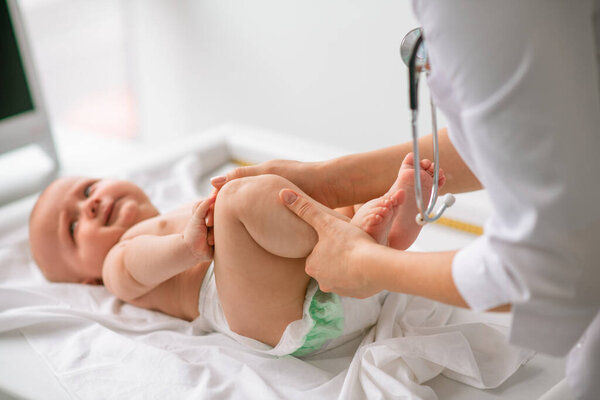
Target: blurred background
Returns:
[[154, 70]]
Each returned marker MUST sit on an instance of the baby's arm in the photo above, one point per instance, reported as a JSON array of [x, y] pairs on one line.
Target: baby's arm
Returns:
[[135, 266]]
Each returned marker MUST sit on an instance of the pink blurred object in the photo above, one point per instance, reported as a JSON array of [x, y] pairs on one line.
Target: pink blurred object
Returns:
[[110, 113]]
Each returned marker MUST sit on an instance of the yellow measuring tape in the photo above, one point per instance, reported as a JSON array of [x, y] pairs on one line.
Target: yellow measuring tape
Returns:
[[444, 221], [241, 163], [460, 225]]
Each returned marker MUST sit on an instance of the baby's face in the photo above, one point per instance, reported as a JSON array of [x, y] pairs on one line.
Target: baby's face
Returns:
[[78, 220]]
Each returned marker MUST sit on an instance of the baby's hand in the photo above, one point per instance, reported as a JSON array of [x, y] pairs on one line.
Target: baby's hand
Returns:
[[210, 218], [196, 234]]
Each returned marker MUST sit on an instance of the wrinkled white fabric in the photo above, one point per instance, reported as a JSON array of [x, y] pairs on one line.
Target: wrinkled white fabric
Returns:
[[101, 348]]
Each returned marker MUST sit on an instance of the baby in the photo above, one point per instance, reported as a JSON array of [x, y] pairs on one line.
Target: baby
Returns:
[[233, 262]]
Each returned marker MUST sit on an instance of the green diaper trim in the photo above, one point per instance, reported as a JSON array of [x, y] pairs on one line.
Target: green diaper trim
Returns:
[[327, 313]]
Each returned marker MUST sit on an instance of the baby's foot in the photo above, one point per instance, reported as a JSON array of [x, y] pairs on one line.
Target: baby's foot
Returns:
[[389, 219], [376, 216], [404, 229]]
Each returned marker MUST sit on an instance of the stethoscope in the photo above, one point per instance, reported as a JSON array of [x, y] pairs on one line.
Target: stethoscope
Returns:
[[414, 54]]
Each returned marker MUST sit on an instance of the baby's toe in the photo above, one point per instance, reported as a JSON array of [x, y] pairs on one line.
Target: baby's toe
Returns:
[[398, 197], [431, 169], [426, 164], [409, 160], [373, 219], [388, 202], [383, 211], [442, 178]]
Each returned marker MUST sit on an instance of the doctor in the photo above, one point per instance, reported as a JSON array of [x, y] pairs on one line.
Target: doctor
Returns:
[[518, 82]]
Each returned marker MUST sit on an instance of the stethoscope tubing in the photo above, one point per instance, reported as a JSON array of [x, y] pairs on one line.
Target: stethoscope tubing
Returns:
[[424, 215]]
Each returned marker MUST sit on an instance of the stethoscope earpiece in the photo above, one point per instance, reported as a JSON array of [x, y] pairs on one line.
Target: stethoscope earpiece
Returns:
[[412, 39]]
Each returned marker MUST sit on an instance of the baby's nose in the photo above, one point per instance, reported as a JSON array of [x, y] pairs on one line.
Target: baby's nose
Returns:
[[92, 208]]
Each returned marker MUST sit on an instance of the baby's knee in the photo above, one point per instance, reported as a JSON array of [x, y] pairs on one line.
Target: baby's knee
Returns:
[[253, 185], [252, 190]]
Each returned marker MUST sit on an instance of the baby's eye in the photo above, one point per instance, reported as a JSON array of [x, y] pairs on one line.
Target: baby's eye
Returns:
[[72, 227], [87, 190]]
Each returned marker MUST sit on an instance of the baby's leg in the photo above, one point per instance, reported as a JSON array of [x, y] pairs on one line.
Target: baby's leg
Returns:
[[260, 251]]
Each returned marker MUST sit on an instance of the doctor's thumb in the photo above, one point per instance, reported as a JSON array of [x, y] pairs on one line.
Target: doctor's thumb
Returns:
[[302, 207], [240, 172]]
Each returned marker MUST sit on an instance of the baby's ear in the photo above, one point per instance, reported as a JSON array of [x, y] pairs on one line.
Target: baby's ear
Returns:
[[92, 281]]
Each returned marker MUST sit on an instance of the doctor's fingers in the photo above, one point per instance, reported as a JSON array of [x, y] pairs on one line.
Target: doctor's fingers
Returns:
[[308, 210], [335, 261], [240, 172], [302, 174], [329, 259]]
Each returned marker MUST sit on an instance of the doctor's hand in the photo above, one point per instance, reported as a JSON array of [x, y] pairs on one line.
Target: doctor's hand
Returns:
[[339, 260], [313, 178]]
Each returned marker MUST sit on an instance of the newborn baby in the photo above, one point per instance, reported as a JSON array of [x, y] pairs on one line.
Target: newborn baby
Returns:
[[232, 263]]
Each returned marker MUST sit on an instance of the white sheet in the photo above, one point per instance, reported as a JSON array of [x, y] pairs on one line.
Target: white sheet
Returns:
[[99, 347]]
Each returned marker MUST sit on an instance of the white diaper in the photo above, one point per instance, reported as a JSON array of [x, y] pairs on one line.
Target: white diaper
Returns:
[[328, 320]]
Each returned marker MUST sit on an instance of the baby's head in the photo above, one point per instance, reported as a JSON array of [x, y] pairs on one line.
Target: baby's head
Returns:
[[76, 221]]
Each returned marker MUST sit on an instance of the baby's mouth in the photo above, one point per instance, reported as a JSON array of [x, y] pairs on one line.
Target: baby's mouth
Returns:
[[108, 213], [113, 211]]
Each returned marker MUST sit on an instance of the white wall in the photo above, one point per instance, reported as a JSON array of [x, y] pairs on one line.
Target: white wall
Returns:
[[326, 70]]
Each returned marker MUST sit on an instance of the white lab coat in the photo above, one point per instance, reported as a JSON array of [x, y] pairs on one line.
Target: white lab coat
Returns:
[[518, 83]]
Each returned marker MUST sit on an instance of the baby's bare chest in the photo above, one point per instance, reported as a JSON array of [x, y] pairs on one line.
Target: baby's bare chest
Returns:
[[161, 225]]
